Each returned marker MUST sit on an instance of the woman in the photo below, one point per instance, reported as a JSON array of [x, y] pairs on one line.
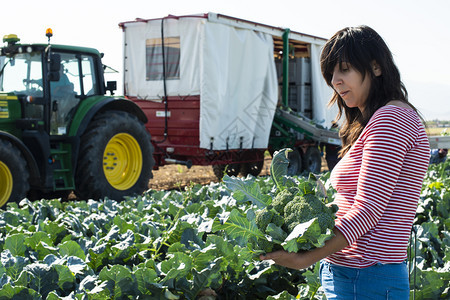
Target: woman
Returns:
[[385, 154]]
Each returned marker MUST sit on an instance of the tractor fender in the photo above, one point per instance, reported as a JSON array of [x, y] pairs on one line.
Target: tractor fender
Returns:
[[111, 103], [31, 162]]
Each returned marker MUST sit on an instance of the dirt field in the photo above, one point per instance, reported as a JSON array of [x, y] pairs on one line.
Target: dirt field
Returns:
[[177, 176], [437, 130]]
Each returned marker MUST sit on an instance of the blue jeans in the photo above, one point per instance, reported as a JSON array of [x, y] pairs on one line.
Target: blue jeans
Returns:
[[389, 281]]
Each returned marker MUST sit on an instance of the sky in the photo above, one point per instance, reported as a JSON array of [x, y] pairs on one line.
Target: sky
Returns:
[[416, 31]]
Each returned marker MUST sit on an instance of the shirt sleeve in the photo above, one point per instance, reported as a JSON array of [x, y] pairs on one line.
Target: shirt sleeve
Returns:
[[386, 140]]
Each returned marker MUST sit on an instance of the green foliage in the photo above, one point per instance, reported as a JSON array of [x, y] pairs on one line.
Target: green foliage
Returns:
[[179, 244], [430, 241]]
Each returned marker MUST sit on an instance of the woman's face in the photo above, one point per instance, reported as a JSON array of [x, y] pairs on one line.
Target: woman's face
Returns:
[[349, 84]]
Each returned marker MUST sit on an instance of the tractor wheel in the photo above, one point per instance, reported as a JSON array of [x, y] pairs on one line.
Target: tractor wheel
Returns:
[[231, 170], [252, 168], [295, 166], [313, 160], [14, 174], [116, 157]]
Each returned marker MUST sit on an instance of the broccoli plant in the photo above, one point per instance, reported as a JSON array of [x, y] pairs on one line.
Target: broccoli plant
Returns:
[[294, 217]]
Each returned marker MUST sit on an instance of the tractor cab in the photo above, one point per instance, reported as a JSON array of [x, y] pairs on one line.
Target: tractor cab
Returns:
[[49, 81]]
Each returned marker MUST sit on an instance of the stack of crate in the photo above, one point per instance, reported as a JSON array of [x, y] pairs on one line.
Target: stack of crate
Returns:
[[300, 94]]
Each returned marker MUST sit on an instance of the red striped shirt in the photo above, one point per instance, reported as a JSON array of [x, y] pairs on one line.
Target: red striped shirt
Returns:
[[378, 183]]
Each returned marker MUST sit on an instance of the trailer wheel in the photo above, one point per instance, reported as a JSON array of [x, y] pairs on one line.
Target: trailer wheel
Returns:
[[116, 157], [295, 166], [252, 168], [231, 170], [313, 160], [14, 174]]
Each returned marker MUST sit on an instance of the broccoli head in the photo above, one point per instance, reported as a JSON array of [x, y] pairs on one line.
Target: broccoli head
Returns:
[[263, 217], [326, 218], [283, 198], [314, 202], [266, 216], [305, 208], [326, 221], [296, 212]]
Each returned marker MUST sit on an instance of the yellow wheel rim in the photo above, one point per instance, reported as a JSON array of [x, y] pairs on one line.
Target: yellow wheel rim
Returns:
[[122, 161], [6, 185]]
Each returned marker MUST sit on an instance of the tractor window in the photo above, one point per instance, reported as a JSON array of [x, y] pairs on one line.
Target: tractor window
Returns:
[[69, 74], [90, 84], [65, 93], [154, 58], [22, 74]]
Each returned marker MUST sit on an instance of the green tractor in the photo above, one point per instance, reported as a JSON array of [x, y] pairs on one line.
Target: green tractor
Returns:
[[61, 133]]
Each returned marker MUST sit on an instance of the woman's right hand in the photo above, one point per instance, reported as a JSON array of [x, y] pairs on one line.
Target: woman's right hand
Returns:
[[293, 260]]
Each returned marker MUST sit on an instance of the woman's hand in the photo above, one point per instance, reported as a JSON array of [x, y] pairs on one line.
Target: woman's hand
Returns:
[[293, 260]]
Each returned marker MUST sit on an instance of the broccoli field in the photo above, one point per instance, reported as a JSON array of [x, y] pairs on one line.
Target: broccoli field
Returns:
[[197, 243]]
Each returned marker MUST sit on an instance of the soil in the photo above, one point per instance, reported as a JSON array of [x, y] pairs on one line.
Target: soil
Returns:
[[177, 176]]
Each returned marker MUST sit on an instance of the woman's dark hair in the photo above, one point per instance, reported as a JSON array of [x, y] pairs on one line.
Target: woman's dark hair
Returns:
[[360, 47]]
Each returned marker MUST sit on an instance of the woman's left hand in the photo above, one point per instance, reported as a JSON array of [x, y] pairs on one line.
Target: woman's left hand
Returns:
[[291, 260]]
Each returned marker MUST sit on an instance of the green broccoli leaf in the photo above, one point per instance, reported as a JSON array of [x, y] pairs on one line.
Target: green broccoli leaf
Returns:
[[205, 278], [33, 240], [300, 229], [306, 187], [238, 226], [16, 244], [277, 233], [289, 182], [71, 248], [66, 279], [310, 289], [279, 166], [179, 265], [42, 278], [144, 278], [18, 292], [306, 236], [247, 191], [120, 280]]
